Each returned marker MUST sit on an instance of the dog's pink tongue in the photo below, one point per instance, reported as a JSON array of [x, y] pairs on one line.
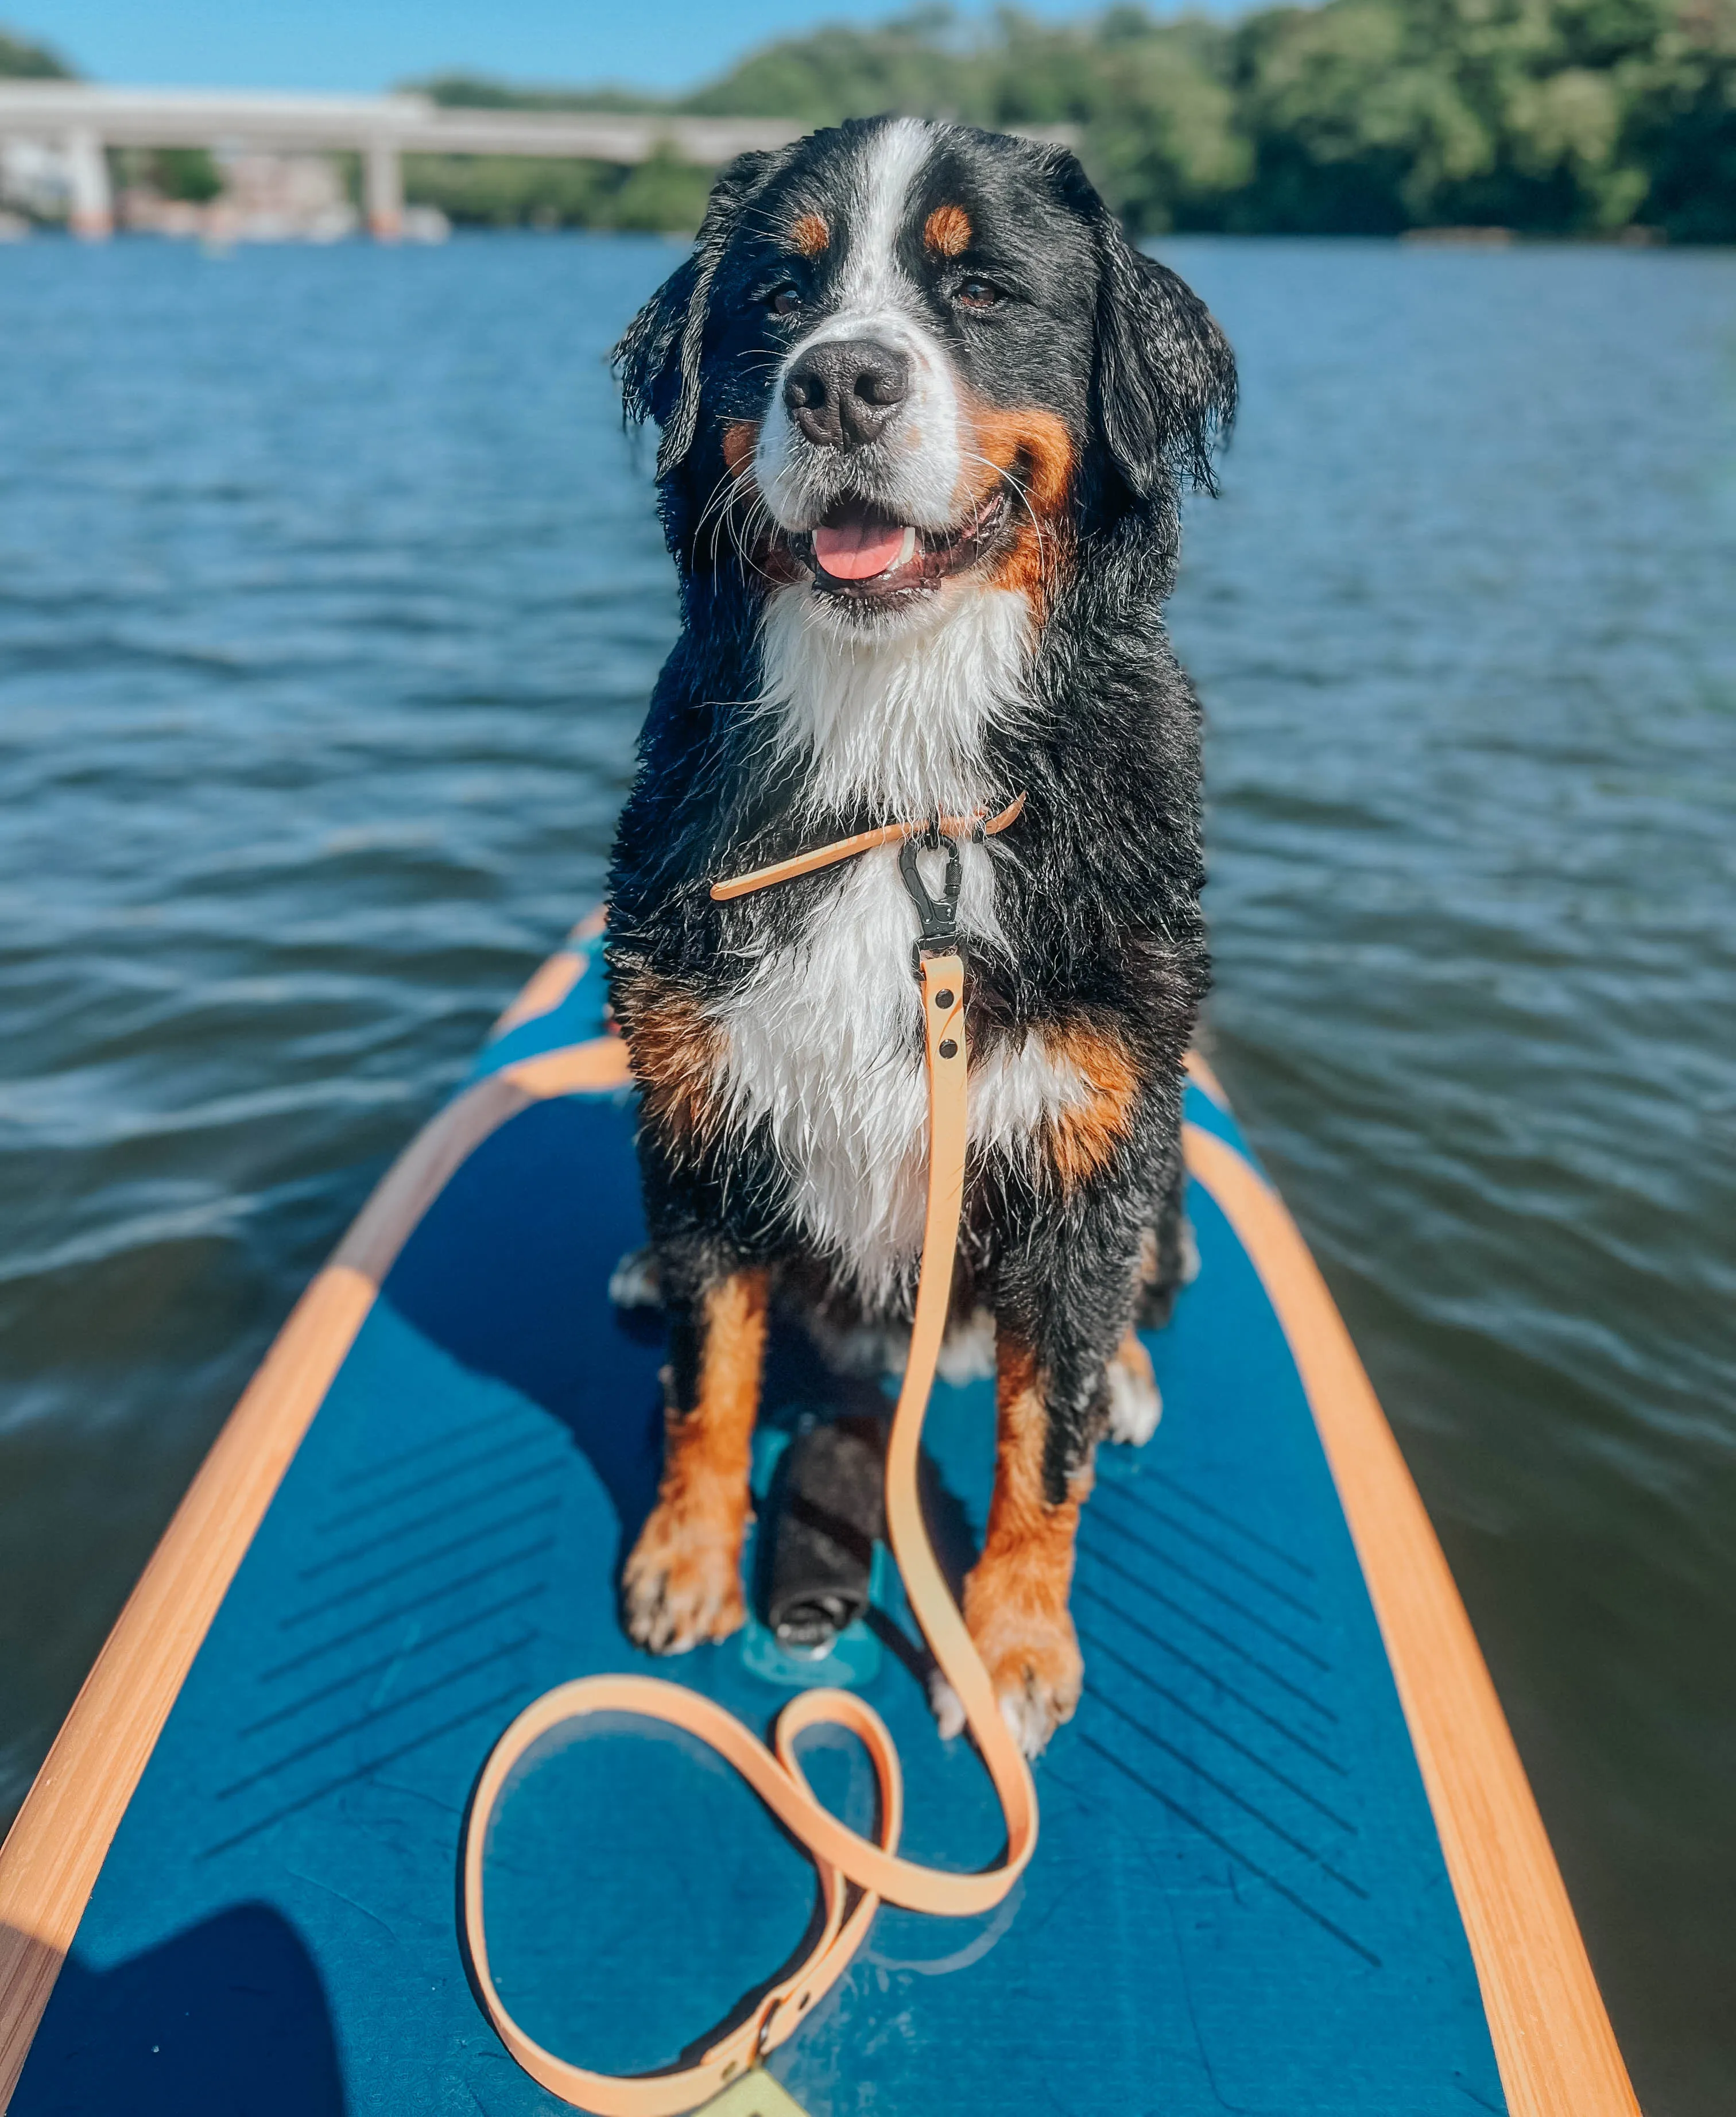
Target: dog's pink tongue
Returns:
[[857, 550]]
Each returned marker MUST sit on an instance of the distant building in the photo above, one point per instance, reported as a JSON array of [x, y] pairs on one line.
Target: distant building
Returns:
[[35, 179], [265, 197], [279, 198]]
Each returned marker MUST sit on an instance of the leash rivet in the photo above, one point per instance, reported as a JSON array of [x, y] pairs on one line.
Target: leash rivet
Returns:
[[949, 1050], [943, 999]]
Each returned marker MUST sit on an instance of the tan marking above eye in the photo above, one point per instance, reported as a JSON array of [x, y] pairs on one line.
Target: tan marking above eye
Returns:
[[810, 234], [946, 232]]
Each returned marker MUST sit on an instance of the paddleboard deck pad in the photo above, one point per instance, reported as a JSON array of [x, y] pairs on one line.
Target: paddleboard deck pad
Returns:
[[1241, 1899]]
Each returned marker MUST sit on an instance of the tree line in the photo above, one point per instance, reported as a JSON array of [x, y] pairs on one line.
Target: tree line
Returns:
[[1561, 117]]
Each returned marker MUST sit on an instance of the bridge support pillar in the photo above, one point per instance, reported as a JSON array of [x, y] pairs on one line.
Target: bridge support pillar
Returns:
[[91, 205], [384, 190]]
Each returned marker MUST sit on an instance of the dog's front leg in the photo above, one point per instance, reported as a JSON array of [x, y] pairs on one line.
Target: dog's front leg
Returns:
[[682, 1583], [1016, 1599]]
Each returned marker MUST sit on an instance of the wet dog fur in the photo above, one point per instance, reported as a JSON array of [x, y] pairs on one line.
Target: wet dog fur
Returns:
[[935, 345]]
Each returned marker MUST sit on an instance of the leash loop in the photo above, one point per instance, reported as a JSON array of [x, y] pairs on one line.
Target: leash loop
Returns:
[[843, 1858]]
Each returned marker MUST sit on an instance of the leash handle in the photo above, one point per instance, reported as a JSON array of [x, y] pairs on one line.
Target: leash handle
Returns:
[[840, 1855]]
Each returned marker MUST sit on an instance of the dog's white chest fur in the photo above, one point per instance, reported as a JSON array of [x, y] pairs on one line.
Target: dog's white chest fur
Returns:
[[822, 1043], [823, 1039]]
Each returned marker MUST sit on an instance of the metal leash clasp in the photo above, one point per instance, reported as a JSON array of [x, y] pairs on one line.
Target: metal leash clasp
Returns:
[[937, 916]]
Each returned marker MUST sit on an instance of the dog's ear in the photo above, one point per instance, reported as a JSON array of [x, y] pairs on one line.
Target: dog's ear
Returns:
[[657, 360], [1165, 379]]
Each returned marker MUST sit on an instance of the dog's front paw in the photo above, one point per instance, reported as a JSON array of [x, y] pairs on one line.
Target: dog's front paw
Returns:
[[1033, 1660], [682, 1584], [1135, 1406]]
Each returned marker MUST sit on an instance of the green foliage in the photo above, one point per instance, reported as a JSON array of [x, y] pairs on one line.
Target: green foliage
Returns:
[[1152, 100], [476, 91], [662, 194], [1680, 126], [917, 63], [21, 60], [1385, 114], [1551, 117], [187, 173], [511, 191]]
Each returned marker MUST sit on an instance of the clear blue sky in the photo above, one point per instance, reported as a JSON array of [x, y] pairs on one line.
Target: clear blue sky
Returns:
[[368, 44]]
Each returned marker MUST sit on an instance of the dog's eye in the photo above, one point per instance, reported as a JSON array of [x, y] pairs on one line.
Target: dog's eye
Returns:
[[786, 302], [978, 294]]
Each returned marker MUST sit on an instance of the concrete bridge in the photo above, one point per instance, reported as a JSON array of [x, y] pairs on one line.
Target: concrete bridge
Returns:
[[82, 121]]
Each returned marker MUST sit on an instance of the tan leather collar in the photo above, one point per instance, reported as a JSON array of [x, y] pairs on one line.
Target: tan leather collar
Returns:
[[865, 841]]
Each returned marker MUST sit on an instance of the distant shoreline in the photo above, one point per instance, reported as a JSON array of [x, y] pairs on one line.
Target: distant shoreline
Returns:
[[1354, 117], [1631, 238]]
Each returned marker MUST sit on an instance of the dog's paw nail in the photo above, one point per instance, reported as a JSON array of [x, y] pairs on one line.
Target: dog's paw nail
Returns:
[[666, 1617], [679, 1590], [1026, 1720], [1035, 1707], [948, 1711], [1038, 1673]]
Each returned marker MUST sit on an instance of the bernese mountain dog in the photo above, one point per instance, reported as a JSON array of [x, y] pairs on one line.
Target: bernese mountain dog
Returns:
[[925, 418]]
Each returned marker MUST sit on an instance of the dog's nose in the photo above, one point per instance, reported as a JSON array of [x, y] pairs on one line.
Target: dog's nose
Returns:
[[842, 392]]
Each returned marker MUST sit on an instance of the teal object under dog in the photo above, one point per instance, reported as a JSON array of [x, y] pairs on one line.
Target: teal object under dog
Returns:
[[1239, 1902]]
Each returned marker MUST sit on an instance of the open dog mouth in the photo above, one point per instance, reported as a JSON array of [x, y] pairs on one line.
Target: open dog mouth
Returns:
[[860, 554]]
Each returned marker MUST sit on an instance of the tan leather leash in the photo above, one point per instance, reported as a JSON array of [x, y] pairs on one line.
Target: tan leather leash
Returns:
[[840, 1855]]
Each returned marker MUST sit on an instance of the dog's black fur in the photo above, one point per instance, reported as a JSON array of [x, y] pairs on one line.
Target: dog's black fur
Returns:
[[1098, 885]]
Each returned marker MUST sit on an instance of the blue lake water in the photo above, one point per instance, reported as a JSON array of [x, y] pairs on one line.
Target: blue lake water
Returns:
[[330, 596]]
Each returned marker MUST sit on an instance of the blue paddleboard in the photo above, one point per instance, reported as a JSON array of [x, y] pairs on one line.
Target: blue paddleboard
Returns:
[[234, 1888]]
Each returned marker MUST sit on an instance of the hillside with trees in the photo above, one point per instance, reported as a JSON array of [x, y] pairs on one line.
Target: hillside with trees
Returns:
[[1560, 118], [21, 60]]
